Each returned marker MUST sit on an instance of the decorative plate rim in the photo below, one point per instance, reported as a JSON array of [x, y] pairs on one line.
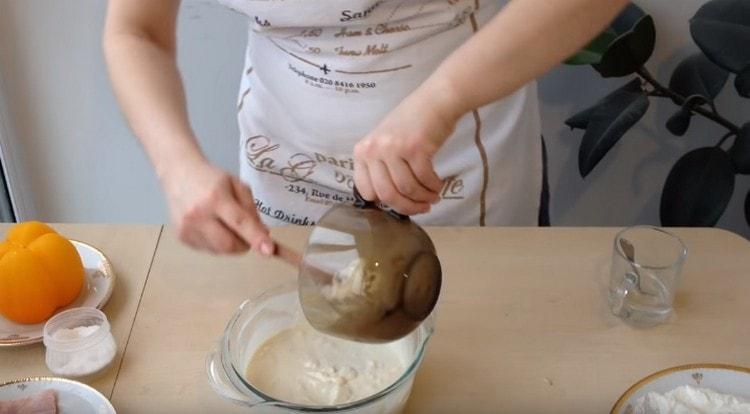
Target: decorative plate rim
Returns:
[[59, 379], [658, 374], [106, 268]]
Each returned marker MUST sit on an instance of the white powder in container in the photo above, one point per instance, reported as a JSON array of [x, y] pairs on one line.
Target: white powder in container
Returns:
[[87, 359], [687, 399]]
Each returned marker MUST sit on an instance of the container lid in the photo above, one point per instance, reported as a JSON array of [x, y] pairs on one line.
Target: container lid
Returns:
[[81, 335]]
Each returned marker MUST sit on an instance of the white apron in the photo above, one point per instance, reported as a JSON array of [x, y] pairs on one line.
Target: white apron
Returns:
[[320, 74]]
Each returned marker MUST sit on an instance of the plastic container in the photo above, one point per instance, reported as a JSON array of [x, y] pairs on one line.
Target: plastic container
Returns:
[[74, 354], [258, 319]]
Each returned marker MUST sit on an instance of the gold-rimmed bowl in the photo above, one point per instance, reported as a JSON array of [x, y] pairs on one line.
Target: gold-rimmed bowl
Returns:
[[722, 378], [73, 397]]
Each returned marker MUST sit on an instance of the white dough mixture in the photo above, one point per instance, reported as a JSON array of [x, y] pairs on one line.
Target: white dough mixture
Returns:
[[691, 400], [303, 366]]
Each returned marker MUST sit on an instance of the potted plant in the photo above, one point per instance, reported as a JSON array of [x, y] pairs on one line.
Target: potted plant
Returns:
[[701, 183]]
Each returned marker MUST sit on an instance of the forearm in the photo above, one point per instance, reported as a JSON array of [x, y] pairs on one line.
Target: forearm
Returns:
[[148, 86], [525, 40]]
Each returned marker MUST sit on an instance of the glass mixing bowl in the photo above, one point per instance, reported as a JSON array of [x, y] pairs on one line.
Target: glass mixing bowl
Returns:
[[257, 320]]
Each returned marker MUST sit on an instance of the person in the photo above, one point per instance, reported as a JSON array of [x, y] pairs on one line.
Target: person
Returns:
[[427, 106]]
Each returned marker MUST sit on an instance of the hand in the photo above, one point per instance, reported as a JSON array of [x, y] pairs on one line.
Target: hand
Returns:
[[214, 211], [393, 164]]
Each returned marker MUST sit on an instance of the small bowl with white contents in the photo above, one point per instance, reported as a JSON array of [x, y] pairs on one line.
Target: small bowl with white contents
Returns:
[[271, 360], [705, 388], [79, 343]]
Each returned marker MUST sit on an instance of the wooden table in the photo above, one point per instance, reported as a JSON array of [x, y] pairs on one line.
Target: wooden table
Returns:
[[522, 325]]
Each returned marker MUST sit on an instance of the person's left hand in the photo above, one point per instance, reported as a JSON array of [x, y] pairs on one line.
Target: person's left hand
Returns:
[[393, 163]]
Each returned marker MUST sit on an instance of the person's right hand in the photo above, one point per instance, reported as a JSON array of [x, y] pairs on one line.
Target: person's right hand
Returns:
[[214, 211]]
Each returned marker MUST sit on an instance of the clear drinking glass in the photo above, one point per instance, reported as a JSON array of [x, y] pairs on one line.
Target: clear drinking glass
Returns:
[[646, 266]]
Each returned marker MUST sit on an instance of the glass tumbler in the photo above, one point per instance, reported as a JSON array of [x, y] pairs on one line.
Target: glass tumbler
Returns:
[[646, 266]]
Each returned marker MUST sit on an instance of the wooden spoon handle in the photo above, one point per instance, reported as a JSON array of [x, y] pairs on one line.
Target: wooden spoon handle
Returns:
[[288, 255]]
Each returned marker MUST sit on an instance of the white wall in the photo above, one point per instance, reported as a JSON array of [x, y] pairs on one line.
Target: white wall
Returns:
[[76, 160]]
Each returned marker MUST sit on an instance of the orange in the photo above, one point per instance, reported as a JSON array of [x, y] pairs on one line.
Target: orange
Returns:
[[24, 233], [63, 264], [4, 248], [27, 295], [40, 271]]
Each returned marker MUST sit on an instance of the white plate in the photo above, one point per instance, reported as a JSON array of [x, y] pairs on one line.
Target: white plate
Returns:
[[73, 397], [726, 379], [100, 280]]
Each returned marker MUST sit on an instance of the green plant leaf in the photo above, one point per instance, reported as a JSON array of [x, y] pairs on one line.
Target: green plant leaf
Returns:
[[634, 44], [594, 51], [625, 21], [721, 28], [608, 121], [581, 119], [698, 189], [742, 82], [679, 123], [697, 75], [740, 151]]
